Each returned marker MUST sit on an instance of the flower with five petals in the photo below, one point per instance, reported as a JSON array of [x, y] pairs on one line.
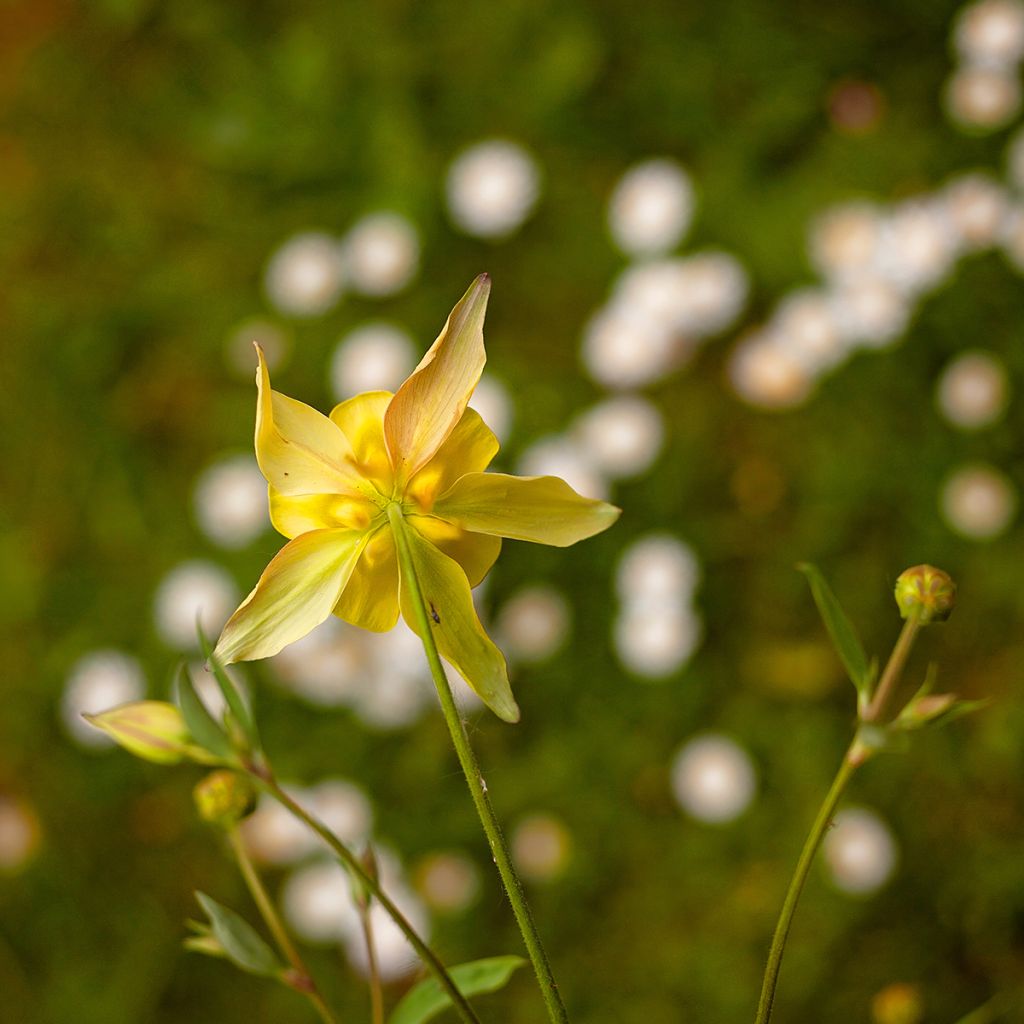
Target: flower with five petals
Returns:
[[341, 485]]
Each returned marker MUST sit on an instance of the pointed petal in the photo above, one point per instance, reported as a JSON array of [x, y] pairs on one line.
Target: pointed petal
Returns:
[[431, 401], [299, 450], [542, 509], [295, 514], [361, 420], [460, 637], [469, 448], [370, 600], [475, 552], [295, 593]]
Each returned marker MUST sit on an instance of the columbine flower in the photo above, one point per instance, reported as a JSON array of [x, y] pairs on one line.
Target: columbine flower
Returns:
[[422, 454]]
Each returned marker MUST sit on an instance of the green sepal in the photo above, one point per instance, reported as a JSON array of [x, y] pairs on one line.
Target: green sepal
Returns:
[[239, 940], [201, 724], [427, 999], [844, 637], [238, 717]]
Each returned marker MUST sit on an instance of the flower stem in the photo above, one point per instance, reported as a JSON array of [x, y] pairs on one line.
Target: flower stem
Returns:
[[303, 981], [376, 996], [475, 781], [878, 709], [265, 780], [818, 829], [877, 712]]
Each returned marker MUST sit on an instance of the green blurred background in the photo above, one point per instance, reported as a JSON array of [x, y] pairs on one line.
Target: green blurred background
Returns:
[[154, 156]]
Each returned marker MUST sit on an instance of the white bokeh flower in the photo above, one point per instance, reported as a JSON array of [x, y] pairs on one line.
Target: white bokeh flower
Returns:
[[305, 276], [983, 99], [376, 356], [979, 502], [381, 254], [622, 436], [98, 681], [713, 778], [492, 188], [195, 591], [973, 390], [230, 501], [651, 208], [859, 851]]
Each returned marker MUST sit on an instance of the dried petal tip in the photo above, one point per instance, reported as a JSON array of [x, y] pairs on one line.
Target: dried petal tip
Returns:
[[224, 798], [926, 592]]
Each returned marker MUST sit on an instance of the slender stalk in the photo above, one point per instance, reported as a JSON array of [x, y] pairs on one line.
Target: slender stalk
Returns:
[[265, 780], [303, 981], [878, 709], [818, 829], [475, 781], [376, 996]]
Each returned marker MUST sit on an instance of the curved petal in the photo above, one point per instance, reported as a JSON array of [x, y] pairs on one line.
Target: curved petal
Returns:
[[469, 448], [431, 401], [299, 450], [295, 514], [295, 593], [475, 552], [460, 637], [542, 509], [370, 599], [361, 420]]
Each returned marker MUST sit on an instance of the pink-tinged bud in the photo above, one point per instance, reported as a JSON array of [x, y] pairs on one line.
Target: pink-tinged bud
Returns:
[[151, 729], [926, 592], [224, 798]]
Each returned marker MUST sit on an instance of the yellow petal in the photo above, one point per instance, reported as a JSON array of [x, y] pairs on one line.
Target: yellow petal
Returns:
[[475, 552], [460, 637], [468, 449], [542, 509], [361, 420], [427, 406], [295, 514], [299, 450], [295, 593], [370, 600]]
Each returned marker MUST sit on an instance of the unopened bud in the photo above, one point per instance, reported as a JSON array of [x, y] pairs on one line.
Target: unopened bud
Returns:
[[224, 798], [926, 592], [898, 1003], [151, 729]]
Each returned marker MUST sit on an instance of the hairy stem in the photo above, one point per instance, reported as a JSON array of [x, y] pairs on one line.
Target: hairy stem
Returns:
[[477, 787]]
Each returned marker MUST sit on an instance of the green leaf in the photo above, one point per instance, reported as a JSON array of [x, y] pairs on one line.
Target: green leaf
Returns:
[[427, 999], [840, 629], [201, 725], [237, 707], [239, 940]]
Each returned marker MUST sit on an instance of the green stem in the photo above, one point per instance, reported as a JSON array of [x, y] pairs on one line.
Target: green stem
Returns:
[[376, 996], [265, 780], [475, 781], [851, 761], [303, 981], [878, 709]]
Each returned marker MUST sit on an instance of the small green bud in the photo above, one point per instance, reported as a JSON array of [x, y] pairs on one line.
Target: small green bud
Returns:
[[151, 729], [224, 798], [926, 592]]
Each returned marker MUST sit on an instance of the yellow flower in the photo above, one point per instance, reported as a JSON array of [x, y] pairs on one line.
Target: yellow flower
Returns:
[[414, 461]]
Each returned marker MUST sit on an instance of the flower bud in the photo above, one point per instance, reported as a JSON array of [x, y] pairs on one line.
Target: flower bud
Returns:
[[898, 1003], [926, 592], [224, 798], [151, 729]]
